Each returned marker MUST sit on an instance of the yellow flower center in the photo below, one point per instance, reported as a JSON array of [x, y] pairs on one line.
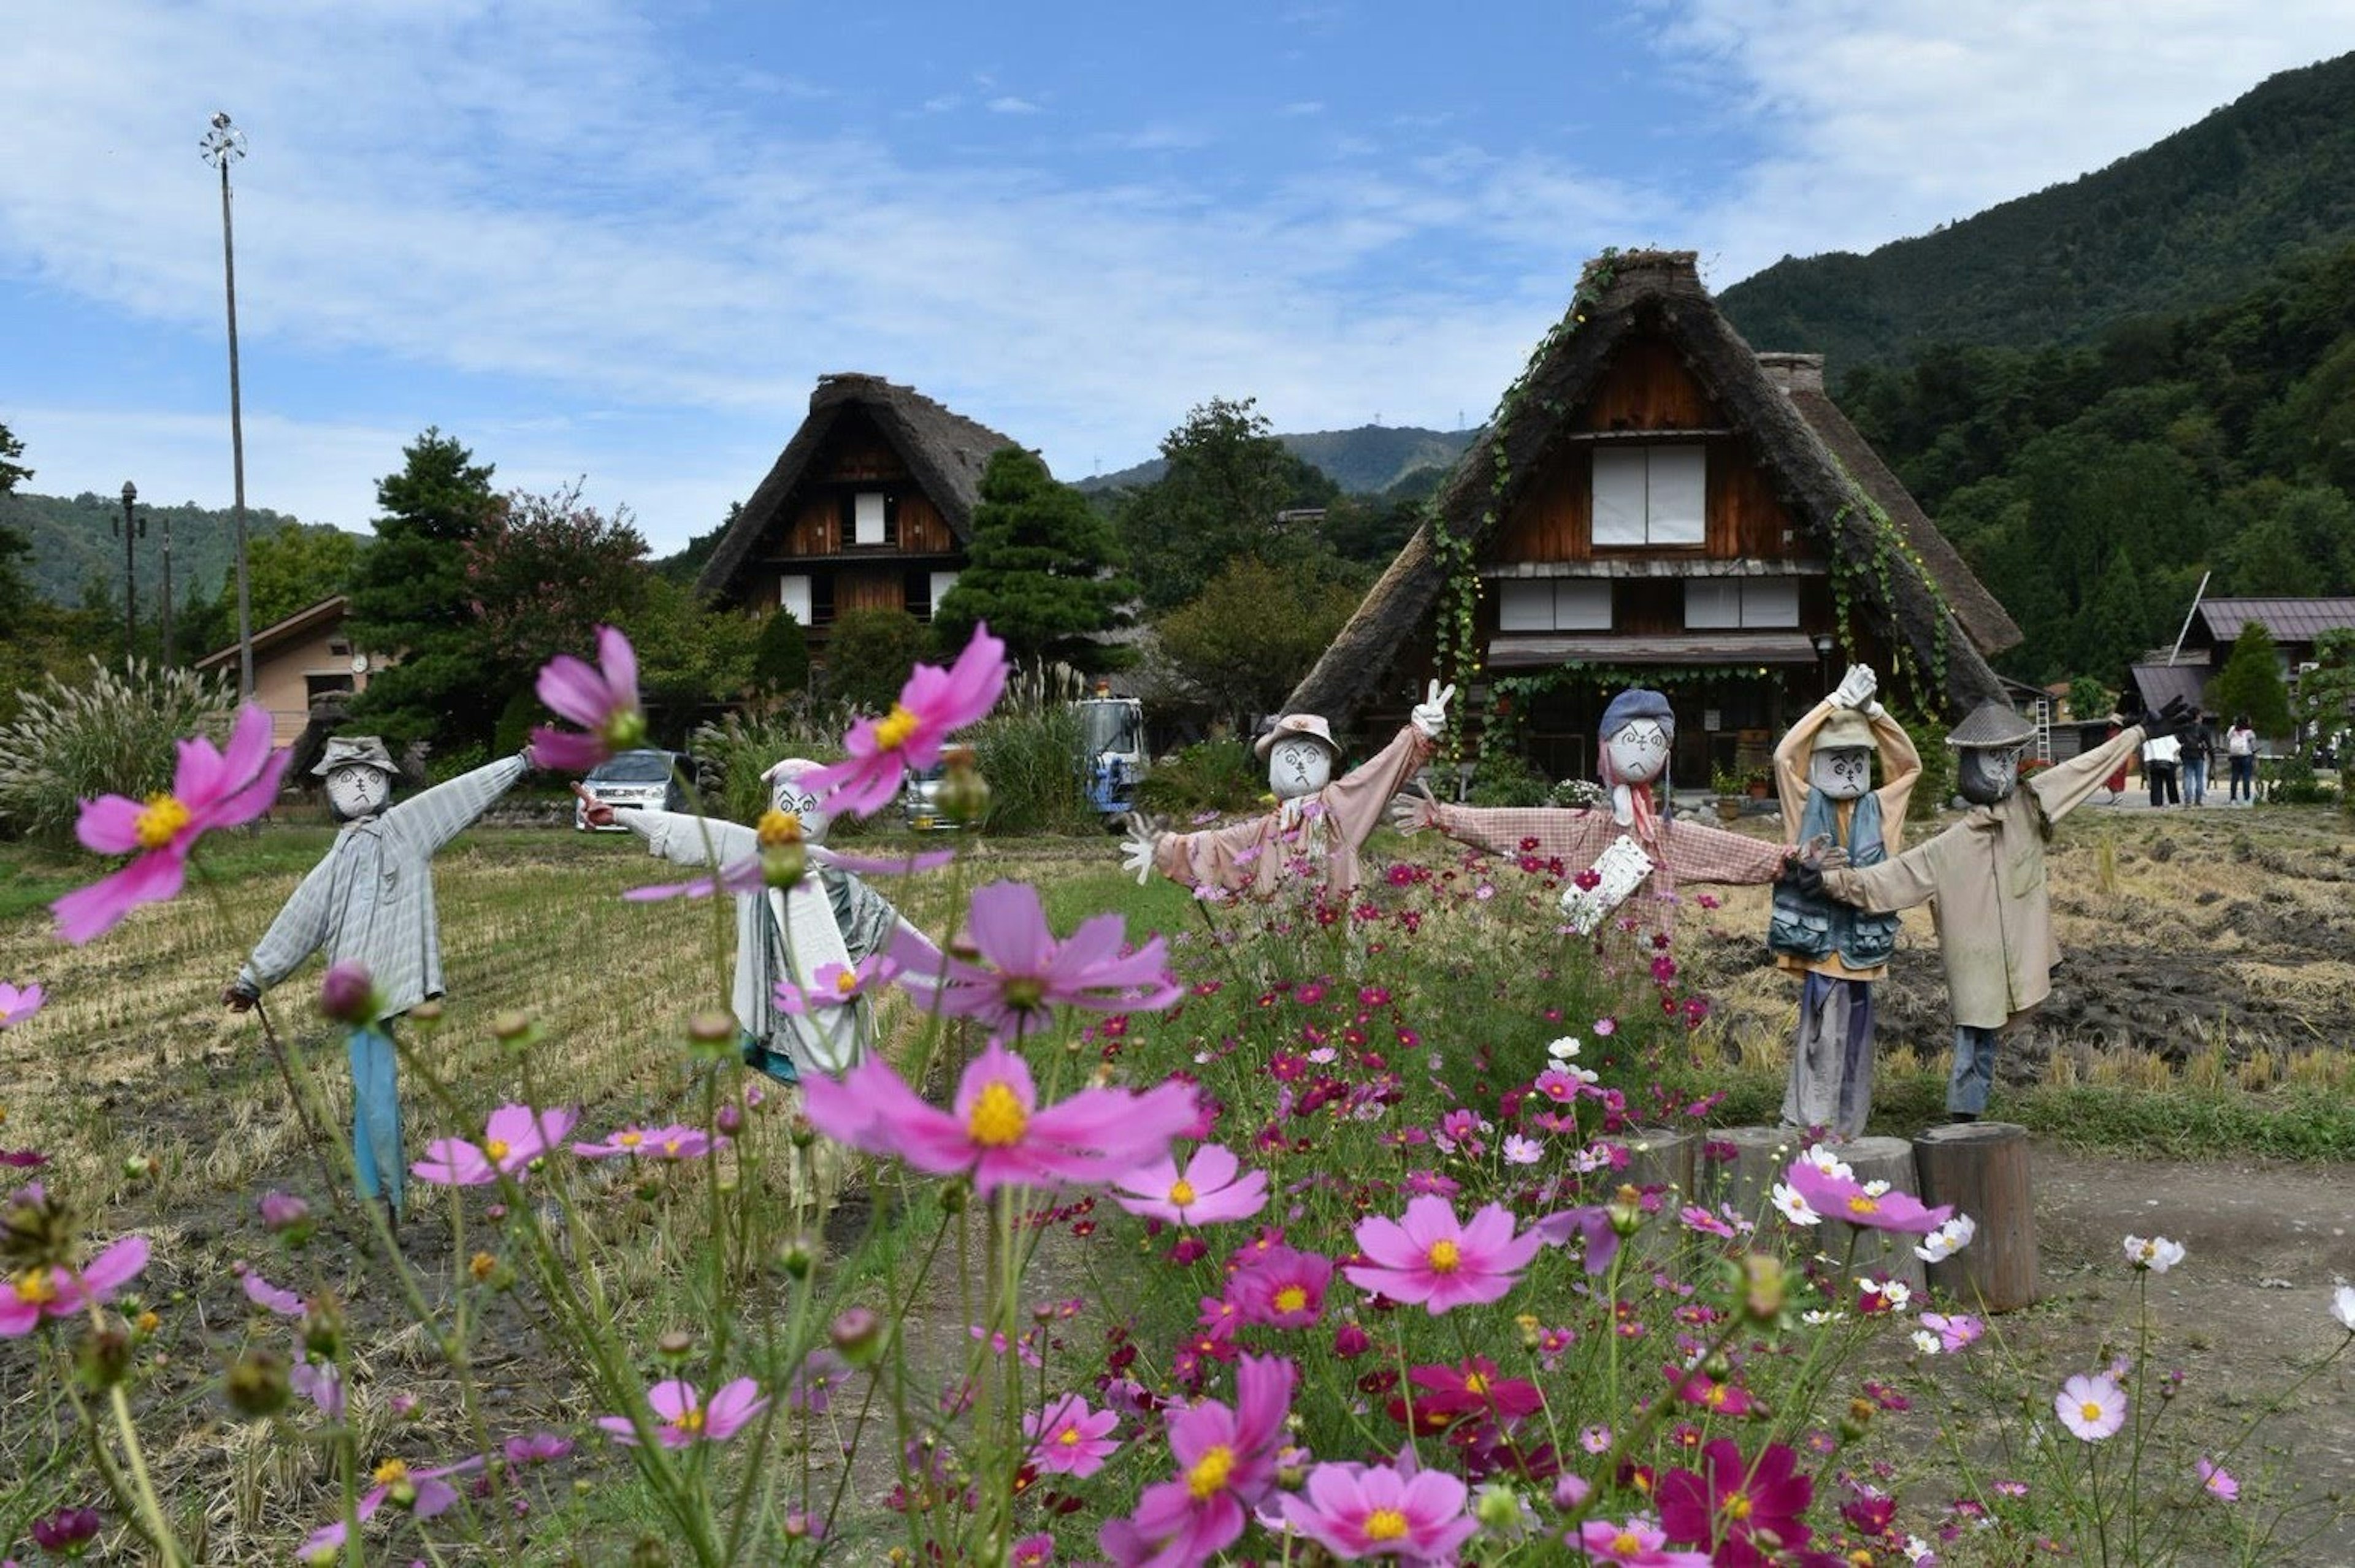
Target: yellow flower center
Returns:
[[482, 1266], [1626, 1543], [392, 1472], [1475, 1383], [1070, 1439], [1182, 1192], [631, 1138], [670, 1147], [690, 1420], [1209, 1477], [1716, 1395], [33, 1288], [1860, 1204], [1445, 1257], [2089, 1411], [998, 1117], [1737, 1506], [494, 1149], [160, 820], [1385, 1524], [1023, 992], [892, 732], [846, 982], [777, 828], [1291, 1298]]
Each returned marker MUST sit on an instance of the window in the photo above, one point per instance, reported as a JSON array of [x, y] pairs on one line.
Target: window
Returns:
[[315, 687], [1719, 604], [870, 517], [941, 581], [794, 598], [1649, 496], [1553, 604]]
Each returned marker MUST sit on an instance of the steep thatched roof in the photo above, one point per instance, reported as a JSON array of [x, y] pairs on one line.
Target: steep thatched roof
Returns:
[[943, 450], [1660, 292]]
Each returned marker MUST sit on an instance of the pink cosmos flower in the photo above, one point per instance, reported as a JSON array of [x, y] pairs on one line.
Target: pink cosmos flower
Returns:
[[1954, 1332], [1731, 1503], [1377, 1512], [1069, 1439], [271, 1297], [16, 1006], [537, 1448], [995, 1128], [836, 986], [687, 1419], [512, 1139], [1283, 1288], [1208, 1191], [422, 1492], [932, 704], [673, 1142], [1035, 1551], [1844, 1198], [37, 1293], [1427, 1257], [2218, 1482], [1474, 1389], [210, 789], [1638, 1544], [1029, 972], [602, 700], [1226, 1465], [2093, 1407]]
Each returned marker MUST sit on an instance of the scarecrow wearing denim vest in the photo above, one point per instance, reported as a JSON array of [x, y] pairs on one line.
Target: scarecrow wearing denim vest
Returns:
[[1823, 771], [371, 901]]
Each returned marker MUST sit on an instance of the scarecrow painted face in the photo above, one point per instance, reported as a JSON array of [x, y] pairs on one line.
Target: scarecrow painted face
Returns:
[[1297, 765], [356, 791], [1986, 775], [1841, 773], [1638, 751], [789, 796]]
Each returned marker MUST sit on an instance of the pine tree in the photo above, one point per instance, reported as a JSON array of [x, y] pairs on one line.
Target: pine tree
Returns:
[[409, 596], [1041, 567], [2251, 682]]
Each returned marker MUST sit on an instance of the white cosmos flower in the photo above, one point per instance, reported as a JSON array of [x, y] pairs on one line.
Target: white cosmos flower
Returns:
[[1563, 1049], [2342, 1306], [1821, 1156], [1947, 1240], [2156, 1254], [1876, 1189], [1929, 1344], [1519, 1150], [1793, 1207]]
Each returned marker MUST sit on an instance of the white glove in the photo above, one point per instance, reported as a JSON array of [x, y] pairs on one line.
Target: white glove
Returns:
[[1855, 688], [1430, 716], [1136, 850], [1413, 812]]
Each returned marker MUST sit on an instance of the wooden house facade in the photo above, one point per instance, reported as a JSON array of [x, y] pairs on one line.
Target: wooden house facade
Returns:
[[1658, 505], [868, 507]]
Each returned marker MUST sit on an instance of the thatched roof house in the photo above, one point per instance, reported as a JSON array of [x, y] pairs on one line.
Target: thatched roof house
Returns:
[[869, 505], [1656, 502]]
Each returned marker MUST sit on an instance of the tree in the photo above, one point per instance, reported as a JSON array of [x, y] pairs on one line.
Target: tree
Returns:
[[870, 654], [780, 657], [1040, 570], [1245, 643], [1228, 478], [2251, 682], [691, 657], [2326, 699], [410, 597], [16, 594], [291, 568], [544, 572]]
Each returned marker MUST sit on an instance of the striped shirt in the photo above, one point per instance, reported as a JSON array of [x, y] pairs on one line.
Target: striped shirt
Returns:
[[371, 899]]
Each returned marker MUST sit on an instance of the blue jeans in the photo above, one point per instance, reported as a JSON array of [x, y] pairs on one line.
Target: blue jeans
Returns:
[[2195, 780], [377, 1165], [1974, 1074], [2244, 778]]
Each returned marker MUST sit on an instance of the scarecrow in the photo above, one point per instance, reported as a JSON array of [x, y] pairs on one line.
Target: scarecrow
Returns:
[[371, 901], [1987, 872], [1619, 851], [1317, 817], [786, 935], [1823, 771]]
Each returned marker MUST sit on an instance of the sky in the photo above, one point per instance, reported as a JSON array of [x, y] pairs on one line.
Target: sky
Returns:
[[619, 242]]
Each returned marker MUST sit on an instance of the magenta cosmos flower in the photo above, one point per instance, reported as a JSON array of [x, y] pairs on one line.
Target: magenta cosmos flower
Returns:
[[1029, 973], [995, 1128], [1226, 1465], [2092, 1406], [422, 1492], [1068, 1438], [836, 986], [933, 704], [1635, 1544], [1426, 1257], [1377, 1512], [1281, 1288], [1844, 1198], [1207, 1192], [673, 1142], [27, 1297], [2217, 1481], [1731, 1503], [512, 1139], [16, 1006], [210, 789], [601, 699], [687, 1419]]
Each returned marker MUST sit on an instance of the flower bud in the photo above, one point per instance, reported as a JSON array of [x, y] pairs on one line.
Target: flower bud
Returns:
[[348, 994], [516, 1029], [323, 1327], [104, 1356], [785, 865], [426, 1016], [138, 1167], [857, 1333], [490, 1270], [953, 1197], [963, 795], [1765, 1287], [1498, 1506], [257, 1383], [1627, 1212], [729, 1119], [676, 1346], [1857, 1419], [796, 1258], [67, 1531], [284, 1214], [649, 1552]]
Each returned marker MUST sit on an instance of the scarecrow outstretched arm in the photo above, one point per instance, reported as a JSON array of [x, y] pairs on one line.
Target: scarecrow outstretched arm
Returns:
[[1577, 836], [685, 840], [1355, 801], [2063, 787], [1908, 880], [432, 818], [295, 934]]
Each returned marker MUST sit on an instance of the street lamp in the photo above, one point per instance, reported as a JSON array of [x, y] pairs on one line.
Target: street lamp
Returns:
[[223, 146], [129, 529]]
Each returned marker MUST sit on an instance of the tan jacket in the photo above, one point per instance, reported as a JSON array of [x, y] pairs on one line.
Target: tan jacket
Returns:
[[1994, 913], [1900, 770]]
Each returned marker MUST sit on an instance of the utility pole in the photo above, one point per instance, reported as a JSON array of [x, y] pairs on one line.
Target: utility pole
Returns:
[[223, 146], [131, 531], [168, 589]]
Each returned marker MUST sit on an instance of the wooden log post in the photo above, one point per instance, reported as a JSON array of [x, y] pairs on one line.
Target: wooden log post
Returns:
[[1981, 1168], [1761, 1155], [1888, 1253], [1663, 1157]]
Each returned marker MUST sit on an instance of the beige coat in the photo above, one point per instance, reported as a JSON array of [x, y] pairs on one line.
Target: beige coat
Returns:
[[1900, 770], [1994, 913]]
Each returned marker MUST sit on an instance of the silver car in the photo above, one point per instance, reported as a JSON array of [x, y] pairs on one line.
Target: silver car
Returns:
[[643, 779]]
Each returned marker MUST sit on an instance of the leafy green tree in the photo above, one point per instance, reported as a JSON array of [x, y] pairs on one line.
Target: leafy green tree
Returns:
[[1040, 570], [410, 596], [781, 656], [16, 594], [2325, 699], [287, 570], [692, 657], [2251, 682], [544, 572], [1246, 641], [870, 654], [1226, 480]]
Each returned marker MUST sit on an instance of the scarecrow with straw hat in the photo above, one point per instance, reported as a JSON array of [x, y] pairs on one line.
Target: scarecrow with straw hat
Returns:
[[1823, 771], [1987, 872], [371, 902]]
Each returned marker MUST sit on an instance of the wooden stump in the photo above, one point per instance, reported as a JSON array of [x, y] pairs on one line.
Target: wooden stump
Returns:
[[1761, 1155], [1889, 1254], [1981, 1168], [1661, 1156]]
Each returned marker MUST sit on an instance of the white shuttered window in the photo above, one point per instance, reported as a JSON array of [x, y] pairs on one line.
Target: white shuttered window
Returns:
[[866, 518], [794, 598], [1650, 495], [1553, 604]]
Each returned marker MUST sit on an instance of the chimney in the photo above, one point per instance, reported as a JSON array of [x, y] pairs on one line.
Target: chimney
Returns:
[[1794, 372]]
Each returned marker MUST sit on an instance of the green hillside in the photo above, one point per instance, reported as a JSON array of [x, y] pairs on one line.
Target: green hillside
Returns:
[[1367, 460], [2191, 220], [75, 540]]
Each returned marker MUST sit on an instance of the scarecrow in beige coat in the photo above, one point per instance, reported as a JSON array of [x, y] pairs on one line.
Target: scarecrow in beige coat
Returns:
[[1993, 913]]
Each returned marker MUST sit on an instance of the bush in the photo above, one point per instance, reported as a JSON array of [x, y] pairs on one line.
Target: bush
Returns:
[[735, 751], [1031, 758], [113, 735], [869, 654], [1214, 775], [781, 660], [1506, 778]]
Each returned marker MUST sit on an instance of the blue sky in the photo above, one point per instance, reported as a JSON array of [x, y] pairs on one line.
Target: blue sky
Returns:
[[620, 241]]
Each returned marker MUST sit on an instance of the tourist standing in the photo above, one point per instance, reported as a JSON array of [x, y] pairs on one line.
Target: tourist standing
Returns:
[[2199, 745], [2241, 752], [2161, 755]]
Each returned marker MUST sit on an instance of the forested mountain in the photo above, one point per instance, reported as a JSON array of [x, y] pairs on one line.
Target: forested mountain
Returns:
[[2198, 218], [1367, 460], [75, 540]]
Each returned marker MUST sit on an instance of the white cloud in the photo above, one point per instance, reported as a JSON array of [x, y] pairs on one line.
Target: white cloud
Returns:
[[1010, 104]]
